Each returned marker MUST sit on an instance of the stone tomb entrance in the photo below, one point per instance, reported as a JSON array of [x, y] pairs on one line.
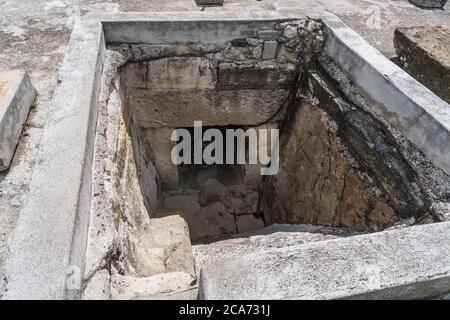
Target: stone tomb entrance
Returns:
[[339, 164], [346, 162]]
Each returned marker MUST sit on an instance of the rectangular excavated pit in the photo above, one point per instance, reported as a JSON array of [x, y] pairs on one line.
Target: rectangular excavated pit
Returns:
[[351, 154]]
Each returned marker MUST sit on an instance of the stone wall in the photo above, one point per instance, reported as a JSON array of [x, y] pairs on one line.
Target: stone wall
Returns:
[[341, 166]]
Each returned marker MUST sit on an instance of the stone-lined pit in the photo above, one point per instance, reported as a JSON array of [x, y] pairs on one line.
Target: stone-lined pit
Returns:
[[240, 83], [340, 164]]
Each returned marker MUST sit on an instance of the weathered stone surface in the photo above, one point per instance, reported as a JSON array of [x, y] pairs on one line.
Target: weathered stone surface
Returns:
[[205, 174], [98, 287], [251, 173], [376, 151], [245, 50], [429, 4], [38, 55], [351, 170], [134, 75], [161, 108], [289, 32], [215, 220], [424, 52], [300, 39], [445, 296], [286, 56], [16, 97], [161, 149], [229, 86], [268, 34], [264, 239], [175, 73], [163, 246], [140, 166], [270, 49], [241, 200], [172, 285], [317, 182], [207, 221], [119, 215], [209, 2], [248, 222], [144, 52], [187, 200], [5, 82], [52, 222], [255, 75], [212, 191], [390, 156], [415, 112], [410, 263], [176, 199], [213, 207]]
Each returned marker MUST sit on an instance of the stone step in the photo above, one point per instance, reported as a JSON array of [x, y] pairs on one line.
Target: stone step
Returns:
[[408, 263]]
